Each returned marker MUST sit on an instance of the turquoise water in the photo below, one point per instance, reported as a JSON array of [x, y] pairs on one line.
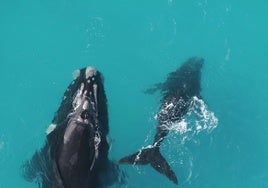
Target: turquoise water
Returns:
[[136, 44]]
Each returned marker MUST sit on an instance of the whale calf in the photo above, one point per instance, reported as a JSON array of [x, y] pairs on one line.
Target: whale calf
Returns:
[[177, 93], [75, 154]]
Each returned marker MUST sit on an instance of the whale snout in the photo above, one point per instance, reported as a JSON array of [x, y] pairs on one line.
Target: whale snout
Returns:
[[90, 72], [198, 62], [195, 63]]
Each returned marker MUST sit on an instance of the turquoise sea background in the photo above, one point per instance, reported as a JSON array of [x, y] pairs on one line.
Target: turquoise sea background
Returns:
[[136, 44]]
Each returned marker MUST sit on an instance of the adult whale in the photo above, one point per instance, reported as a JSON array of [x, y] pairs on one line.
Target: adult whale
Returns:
[[76, 150], [178, 91]]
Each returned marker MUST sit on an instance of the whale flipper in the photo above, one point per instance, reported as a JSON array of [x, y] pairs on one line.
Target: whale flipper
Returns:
[[153, 157]]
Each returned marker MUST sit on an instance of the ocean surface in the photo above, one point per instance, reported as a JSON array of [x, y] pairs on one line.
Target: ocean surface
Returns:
[[135, 44]]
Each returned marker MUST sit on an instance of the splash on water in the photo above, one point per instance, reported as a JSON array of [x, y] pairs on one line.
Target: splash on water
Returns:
[[94, 33], [198, 120]]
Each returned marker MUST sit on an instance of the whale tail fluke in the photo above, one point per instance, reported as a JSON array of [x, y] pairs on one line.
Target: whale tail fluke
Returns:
[[153, 157]]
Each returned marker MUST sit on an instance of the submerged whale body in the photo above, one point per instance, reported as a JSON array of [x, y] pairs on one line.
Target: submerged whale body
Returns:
[[75, 154], [177, 93]]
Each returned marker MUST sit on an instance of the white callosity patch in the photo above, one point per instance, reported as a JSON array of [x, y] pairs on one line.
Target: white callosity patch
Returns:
[[50, 128], [95, 88], [80, 103], [76, 74], [78, 97], [85, 105], [90, 72]]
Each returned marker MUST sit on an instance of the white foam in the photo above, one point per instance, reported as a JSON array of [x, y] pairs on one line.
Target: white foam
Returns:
[[198, 119], [190, 171], [178, 126], [206, 118]]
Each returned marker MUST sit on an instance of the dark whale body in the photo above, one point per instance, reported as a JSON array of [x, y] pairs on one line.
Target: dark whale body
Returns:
[[177, 94], [75, 154]]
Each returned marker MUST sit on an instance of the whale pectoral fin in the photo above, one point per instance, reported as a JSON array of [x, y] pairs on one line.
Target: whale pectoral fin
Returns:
[[153, 89], [31, 169]]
